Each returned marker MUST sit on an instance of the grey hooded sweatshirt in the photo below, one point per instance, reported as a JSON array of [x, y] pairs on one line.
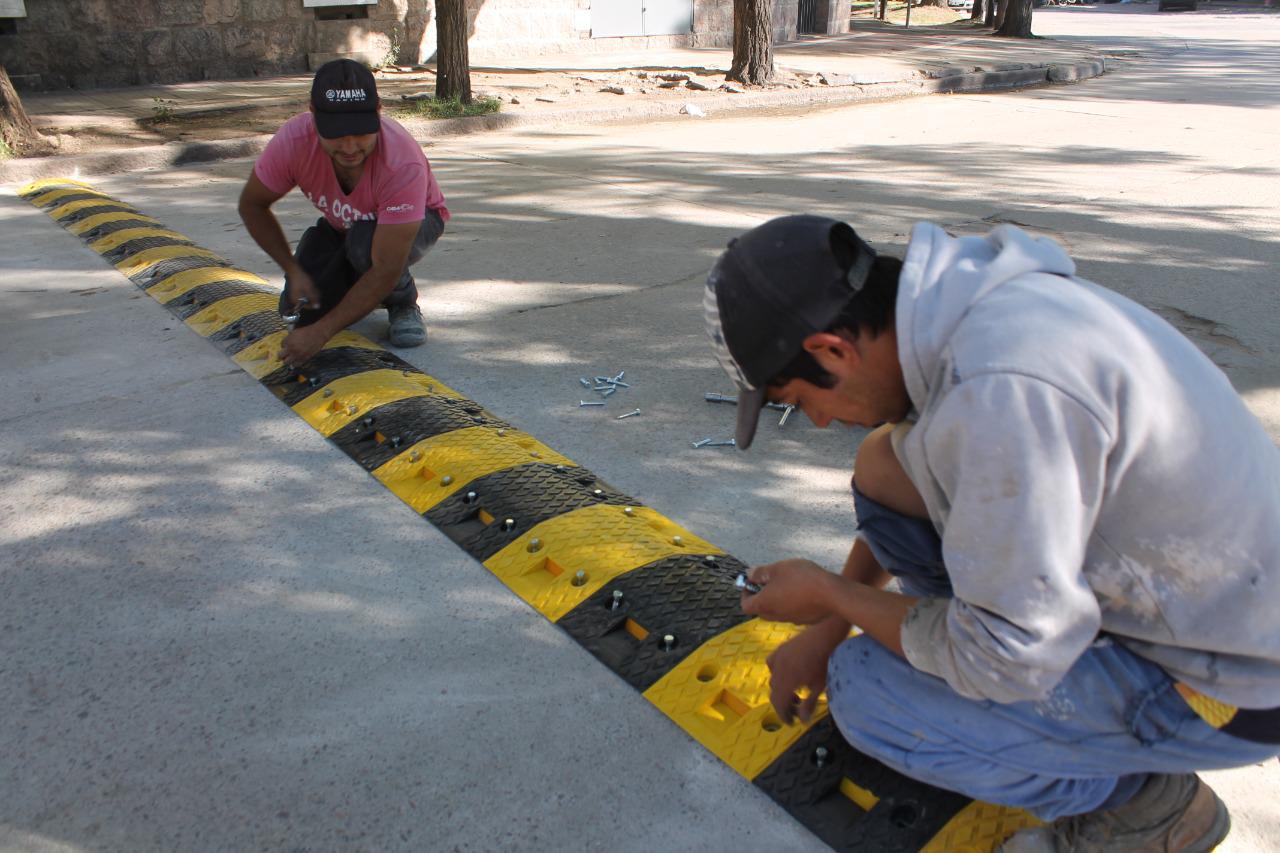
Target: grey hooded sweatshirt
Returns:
[[1090, 470]]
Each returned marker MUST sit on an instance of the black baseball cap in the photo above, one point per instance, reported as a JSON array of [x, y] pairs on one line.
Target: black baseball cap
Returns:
[[344, 99], [773, 287]]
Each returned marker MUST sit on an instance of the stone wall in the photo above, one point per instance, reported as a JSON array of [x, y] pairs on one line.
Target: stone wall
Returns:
[[98, 43], [95, 43]]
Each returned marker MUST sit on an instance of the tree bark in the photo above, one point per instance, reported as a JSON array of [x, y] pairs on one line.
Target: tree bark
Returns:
[[752, 42], [1017, 20], [995, 16], [453, 65], [16, 129], [979, 11]]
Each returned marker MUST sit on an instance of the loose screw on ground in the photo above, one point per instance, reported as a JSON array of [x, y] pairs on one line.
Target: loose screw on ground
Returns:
[[582, 403], [630, 414], [786, 414]]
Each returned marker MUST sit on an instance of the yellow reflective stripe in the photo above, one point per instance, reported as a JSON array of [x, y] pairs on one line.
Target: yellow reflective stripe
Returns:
[[436, 467], [62, 192], [138, 263], [91, 222], [72, 207], [1212, 711], [224, 312], [720, 696], [260, 358], [47, 183], [346, 399], [979, 828], [124, 235], [602, 541], [180, 283]]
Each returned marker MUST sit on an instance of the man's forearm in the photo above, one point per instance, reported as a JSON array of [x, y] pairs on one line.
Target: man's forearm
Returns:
[[265, 230], [862, 567], [877, 612], [364, 296]]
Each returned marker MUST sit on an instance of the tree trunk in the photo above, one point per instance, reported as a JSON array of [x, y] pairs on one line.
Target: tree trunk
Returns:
[[752, 42], [453, 65], [1017, 20], [942, 3], [979, 11], [16, 130], [996, 16]]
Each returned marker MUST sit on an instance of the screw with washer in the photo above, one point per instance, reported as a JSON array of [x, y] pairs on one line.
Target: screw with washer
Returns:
[[617, 600], [668, 642], [630, 414], [582, 403], [585, 383], [820, 756], [745, 585], [702, 442], [786, 414], [733, 442]]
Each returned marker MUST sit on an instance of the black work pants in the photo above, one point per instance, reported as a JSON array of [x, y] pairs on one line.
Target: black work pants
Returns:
[[335, 260]]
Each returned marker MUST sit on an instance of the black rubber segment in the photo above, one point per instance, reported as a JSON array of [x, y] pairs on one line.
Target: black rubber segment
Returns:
[[690, 598], [528, 494], [129, 248], [107, 206], [908, 815], [97, 232], [161, 270], [403, 423], [199, 298], [294, 386], [247, 330], [84, 196]]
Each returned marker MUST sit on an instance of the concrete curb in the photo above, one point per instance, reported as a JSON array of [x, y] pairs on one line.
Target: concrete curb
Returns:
[[943, 81]]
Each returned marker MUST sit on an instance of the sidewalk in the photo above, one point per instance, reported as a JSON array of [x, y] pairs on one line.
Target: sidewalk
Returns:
[[873, 62]]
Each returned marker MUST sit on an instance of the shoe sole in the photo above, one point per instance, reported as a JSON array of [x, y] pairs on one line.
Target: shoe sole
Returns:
[[1217, 832]]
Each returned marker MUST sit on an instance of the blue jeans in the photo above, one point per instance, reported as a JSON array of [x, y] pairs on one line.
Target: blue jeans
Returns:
[[1114, 718]]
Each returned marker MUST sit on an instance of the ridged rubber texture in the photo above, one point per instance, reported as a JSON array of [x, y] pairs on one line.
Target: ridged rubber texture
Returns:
[[689, 598], [905, 815], [558, 536], [532, 492]]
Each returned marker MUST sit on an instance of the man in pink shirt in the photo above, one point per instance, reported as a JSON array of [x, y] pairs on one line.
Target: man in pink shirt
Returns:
[[381, 211]]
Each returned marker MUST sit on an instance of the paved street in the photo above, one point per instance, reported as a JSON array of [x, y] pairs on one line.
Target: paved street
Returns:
[[219, 633]]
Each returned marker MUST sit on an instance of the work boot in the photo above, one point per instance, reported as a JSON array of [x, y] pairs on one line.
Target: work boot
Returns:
[[1169, 814], [406, 328]]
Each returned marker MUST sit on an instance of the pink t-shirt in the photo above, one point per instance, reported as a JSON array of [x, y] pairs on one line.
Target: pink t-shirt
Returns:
[[396, 186]]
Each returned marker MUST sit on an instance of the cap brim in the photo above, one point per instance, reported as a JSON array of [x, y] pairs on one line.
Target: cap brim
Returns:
[[335, 125], [749, 405]]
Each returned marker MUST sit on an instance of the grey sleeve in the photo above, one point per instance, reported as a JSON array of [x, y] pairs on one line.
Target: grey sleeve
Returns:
[[1022, 467]]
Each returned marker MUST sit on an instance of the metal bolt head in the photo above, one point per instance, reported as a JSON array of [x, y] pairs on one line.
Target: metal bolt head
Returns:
[[677, 540], [598, 492], [580, 578], [352, 409], [502, 432], [328, 392], [469, 498], [446, 480], [669, 642], [628, 511], [415, 456], [535, 545], [617, 599], [508, 524], [820, 756]]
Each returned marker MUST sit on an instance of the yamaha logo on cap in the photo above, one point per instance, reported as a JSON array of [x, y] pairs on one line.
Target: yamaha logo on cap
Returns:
[[344, 99]]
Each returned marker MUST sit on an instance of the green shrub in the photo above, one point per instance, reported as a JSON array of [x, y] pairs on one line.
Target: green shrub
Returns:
[[450, 108]]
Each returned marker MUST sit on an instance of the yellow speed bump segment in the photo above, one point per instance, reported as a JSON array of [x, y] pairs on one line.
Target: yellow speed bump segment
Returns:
[[224, 312], [91, 222], [49, 197], [147, 258], [118, 238], [601, 542], [433, 469], [343, 400], [263, 357], [720, 696], [979, 828], [71, 208], [184, 282]]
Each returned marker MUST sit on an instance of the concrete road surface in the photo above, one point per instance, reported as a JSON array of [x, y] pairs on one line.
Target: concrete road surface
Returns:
[[219, 633]]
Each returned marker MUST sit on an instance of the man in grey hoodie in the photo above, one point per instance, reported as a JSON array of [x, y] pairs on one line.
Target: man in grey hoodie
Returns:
[[1082, 516]]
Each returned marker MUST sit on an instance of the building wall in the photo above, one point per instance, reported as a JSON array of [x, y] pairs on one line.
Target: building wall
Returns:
[[100, 43]]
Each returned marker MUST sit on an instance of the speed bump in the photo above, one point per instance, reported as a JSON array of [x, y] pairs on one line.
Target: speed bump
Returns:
[[650, 600]]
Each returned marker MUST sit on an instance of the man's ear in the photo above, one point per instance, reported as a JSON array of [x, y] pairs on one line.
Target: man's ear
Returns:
[[834, 352]]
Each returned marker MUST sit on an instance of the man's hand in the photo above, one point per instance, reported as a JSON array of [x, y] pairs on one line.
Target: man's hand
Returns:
[[300, 344], [298, 286], [801, 663], [795, 590]]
